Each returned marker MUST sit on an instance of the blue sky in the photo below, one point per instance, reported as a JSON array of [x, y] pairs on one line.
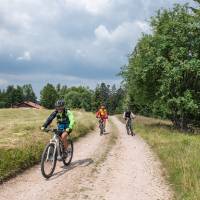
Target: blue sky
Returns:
[[70, 42]]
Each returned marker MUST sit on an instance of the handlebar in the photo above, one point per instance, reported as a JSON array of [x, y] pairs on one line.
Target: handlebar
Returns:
[[50, 130], [53, 130]]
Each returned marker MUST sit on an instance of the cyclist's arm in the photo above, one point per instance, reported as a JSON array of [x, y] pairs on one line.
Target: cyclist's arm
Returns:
[[106, 115], [124, 115], [132, 115], [50, 119], [97, 114], [71, 119]]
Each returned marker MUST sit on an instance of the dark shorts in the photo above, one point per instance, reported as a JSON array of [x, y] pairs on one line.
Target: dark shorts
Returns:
[[62, 128]]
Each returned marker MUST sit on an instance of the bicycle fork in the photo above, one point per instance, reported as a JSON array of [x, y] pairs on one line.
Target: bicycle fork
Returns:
[[55, 141]]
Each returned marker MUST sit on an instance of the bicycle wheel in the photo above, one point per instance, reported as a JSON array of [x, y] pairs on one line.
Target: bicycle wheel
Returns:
[[67, 157], [101, 128], [131, 129], [48, 161], [127, 129]]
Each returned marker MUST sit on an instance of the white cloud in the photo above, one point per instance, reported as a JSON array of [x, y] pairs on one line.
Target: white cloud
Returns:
[[3, 82], [101, 32], [92, 6], [127, 31], [26, 56]]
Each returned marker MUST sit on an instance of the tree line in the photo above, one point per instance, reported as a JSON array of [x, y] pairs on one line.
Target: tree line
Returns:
[[75, 97], [14, 95], [84, 97], [162, 77]]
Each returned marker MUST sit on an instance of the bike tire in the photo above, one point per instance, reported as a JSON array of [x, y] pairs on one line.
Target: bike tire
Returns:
[[43, 160], [101, 128], [127, 130], [132, 134], [101, 131], [70, 144]]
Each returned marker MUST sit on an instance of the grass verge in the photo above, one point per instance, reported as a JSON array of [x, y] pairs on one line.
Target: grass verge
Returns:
[[22, 142], [179, 152]]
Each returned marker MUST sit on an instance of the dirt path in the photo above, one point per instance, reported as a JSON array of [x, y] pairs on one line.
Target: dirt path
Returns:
[[113, 166]]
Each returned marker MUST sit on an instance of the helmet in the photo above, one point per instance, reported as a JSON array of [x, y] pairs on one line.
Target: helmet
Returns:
[[103, 107], [60, 103]]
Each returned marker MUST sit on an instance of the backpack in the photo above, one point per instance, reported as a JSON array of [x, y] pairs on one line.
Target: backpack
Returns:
[[128, 114]]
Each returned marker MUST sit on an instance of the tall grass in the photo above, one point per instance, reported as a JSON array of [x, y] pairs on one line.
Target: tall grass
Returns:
[[22, 142], [179, 153]]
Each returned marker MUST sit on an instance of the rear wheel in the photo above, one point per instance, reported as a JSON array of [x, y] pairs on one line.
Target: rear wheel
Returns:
[[127, 128], [48, 161], [68, 154]]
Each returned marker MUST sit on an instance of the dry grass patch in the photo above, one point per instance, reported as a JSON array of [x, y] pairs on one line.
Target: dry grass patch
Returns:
[[22, 142], [179, 153]]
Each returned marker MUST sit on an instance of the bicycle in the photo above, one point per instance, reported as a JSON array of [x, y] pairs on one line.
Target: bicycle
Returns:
[[101, 126], [129, 127], [54, 150]]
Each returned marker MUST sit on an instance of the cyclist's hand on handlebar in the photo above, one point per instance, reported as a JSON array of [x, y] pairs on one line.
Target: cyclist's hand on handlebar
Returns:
[[68, 130], [42, 128]]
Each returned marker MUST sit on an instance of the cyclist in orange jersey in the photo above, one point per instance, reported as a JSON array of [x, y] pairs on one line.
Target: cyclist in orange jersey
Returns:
[[102, 114]]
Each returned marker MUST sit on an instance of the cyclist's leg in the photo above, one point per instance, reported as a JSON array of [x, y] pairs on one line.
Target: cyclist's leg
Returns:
[[131, 127], [127, 126], [104, 125], [64, 139], [100, 122]]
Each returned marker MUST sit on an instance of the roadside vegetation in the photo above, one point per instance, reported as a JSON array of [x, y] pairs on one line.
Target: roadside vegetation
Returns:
[[162, 80], [162, 77], [22, 142], [178, 152]]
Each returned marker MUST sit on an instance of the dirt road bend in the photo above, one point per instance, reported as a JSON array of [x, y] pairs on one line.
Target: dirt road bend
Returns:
[[109, 167]]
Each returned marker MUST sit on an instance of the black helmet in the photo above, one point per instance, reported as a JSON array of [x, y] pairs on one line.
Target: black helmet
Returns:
[[60, 103]]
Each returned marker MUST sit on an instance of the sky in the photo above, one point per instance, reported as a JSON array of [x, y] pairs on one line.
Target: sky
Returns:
[[72, 42]]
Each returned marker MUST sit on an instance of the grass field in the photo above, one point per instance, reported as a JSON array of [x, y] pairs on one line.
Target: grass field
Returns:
[[179, 152], [22, 142]]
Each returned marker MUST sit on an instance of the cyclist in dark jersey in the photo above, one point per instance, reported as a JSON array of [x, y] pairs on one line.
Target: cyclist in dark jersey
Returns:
[[129, 116]]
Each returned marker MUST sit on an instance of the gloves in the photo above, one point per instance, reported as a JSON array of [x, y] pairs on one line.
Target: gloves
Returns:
[[42, 128], [68, 130]]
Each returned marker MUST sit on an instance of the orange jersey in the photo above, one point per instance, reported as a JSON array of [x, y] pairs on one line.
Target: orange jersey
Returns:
[[102, 113]]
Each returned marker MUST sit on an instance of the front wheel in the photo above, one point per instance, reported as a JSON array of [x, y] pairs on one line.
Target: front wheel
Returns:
[[101, 127], [67, 158], [48, 161]]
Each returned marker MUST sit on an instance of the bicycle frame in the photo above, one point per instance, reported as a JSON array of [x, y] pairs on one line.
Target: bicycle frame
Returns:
[[54, 151], [101, 125], [56, 140], [129, 124]]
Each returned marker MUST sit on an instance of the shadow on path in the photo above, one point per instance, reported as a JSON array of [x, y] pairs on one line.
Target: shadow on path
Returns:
[[74, 164]]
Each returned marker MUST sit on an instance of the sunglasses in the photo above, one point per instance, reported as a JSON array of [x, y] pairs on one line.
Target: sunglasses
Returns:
[[60, 109]]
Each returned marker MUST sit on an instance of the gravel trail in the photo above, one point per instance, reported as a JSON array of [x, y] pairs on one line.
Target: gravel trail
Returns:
[[109, 167]]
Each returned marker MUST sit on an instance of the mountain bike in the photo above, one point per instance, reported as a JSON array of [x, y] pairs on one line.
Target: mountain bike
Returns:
[[101, 126], [55, 151], [129, 127]]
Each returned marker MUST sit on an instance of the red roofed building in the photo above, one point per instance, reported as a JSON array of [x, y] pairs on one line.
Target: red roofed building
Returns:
[[28, 104]]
